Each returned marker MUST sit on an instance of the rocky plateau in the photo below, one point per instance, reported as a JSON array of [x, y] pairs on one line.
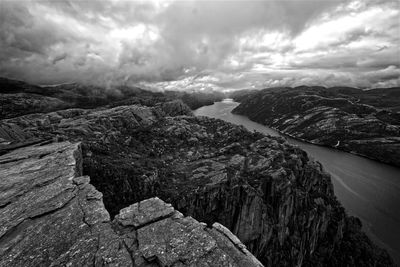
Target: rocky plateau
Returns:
[[243, 185]]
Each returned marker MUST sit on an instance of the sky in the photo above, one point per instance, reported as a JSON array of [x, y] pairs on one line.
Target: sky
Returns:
[[202, 45]]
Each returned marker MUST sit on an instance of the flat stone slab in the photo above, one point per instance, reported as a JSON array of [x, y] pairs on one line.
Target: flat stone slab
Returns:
[[144, 212], [168, 238]]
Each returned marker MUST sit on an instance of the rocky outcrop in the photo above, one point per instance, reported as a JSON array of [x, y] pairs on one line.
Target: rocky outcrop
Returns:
[[87, 122], [164, 235], [12, 105], [174, 108], [339, 118], [50, 215], [268, 193]]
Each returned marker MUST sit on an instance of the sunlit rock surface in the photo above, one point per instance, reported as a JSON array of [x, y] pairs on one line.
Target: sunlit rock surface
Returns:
[[50, 215]]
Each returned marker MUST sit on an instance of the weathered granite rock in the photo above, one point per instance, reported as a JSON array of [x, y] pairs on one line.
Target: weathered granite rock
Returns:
[[106, 123], [175, 108], [83, 122], [167, 237], [50, 215], [12, 105], [276, 200], [144, 212]]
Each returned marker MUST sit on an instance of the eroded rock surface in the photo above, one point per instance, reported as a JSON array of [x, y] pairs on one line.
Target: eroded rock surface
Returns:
[[268, 193], [50, 215], [165, 236]]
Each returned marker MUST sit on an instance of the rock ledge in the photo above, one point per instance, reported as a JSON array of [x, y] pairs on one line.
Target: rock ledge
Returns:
[[50, 215]]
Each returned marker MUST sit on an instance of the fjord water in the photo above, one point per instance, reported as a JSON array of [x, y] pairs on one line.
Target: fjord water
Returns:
[[367, 189]]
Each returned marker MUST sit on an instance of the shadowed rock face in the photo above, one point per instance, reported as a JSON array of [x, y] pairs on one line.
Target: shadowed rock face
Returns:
[[53, 216], [268, 193], [364, 122]]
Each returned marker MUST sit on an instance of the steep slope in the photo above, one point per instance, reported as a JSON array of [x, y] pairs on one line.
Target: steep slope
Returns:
[[338, 117], [52, 216], [276, 200]]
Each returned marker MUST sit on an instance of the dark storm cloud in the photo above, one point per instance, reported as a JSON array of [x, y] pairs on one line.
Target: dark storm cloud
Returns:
[[201, 44]]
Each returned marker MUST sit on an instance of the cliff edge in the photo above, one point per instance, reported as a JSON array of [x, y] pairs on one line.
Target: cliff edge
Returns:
[[268, 193], [50, 215]]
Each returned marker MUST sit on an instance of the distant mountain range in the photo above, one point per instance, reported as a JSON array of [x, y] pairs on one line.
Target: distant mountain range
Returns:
[[20, 98]]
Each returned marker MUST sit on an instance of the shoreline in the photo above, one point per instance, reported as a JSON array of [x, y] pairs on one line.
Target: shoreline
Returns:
[[329, 146], [322, 145], [377, 236]]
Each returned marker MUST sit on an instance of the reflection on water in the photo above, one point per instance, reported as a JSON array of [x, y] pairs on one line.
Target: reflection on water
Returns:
[[367, 189]]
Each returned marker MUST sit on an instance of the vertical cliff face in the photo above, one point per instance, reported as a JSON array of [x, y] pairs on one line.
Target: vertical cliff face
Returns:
[[53, 216], [286, 216], [276, 200]]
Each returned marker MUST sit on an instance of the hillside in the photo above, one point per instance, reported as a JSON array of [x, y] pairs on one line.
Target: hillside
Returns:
[[365, 122], [20, 98]]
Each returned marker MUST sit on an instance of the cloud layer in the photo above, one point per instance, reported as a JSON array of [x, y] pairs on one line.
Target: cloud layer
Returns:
[[202, 44]]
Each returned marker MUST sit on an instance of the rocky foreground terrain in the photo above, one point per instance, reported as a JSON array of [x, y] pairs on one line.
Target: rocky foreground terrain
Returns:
[[354, 120], [52, 216], [268, 193]]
